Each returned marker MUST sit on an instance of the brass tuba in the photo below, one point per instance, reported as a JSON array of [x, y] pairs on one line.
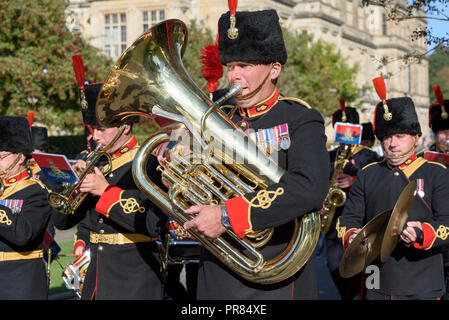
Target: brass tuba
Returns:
[[336, 197], [149, 79]]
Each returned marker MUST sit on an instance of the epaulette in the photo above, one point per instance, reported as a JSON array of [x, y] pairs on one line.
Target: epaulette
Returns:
[[370, 164], [305, 104], [440, 164], [418, 154]]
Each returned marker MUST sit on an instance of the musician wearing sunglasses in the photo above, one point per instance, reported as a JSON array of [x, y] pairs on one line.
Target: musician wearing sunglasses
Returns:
[[414, 270], [116, 221], [277, 124], [24, 216]]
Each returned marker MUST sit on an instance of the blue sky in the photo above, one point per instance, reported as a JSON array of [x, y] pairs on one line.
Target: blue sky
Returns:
[[440, 28]]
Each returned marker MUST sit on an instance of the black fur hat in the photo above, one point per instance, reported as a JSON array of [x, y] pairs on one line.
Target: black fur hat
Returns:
[[91, 92], [259, 38], [438, 117], [16, 135], [39, 136], [404, 118], [436, 122], [367, 132], [352, 116]]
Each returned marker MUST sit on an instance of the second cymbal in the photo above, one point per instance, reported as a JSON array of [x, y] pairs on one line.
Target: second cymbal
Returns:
[[397, 220]]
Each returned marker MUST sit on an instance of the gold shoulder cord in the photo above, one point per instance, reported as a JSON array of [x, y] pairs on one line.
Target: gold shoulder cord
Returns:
[[305, 104]]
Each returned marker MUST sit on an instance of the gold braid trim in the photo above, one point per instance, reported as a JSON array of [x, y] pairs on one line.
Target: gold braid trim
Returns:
[[265, 198], [341, 231], [442, 232], [130, 205], [4, 218]]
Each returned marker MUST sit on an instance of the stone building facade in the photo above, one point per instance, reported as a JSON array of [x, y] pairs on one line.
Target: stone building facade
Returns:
[[362, 34]]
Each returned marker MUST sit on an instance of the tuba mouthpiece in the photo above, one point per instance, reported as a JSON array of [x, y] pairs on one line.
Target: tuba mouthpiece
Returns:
[[234, 90]]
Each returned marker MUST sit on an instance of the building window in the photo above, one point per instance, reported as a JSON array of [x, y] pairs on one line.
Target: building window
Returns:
[[384, 25], [114, 34], [152, 17]]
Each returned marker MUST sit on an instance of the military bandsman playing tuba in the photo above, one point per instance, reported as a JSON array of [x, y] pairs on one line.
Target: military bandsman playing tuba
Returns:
[[253, 55], [115, 221]]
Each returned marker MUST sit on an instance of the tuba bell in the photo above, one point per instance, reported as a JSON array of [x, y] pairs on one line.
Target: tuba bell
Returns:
[[149, 80]]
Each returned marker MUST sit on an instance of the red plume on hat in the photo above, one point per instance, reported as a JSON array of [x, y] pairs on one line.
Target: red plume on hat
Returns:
[[439, 96], [30, 117], [379, 85], [343, 109], [78, 68], [212, 70]]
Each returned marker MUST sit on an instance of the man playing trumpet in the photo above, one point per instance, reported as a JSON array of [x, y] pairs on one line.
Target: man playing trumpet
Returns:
[[116, 221]]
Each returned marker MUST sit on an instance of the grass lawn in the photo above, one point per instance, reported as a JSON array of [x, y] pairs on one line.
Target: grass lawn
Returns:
[[58, 265]]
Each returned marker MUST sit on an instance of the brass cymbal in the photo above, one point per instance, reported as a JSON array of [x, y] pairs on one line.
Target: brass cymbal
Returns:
[[397, 220], [365, 247]]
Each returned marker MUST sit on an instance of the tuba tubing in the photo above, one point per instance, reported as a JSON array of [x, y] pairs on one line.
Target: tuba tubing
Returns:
[[256, 270]]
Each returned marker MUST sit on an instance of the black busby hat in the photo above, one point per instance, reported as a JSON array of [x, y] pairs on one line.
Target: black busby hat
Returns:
[[438, 117], [89, 94], [345, 114], [258, 37], [404, 118], [395, 115], [39, 137], [367, 132], [16, 135]]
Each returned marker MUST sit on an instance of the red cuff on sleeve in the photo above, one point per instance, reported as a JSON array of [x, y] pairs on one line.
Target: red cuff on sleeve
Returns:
[[428, 237], [346, 236], [79, 243], [109, 197], [238, 213]]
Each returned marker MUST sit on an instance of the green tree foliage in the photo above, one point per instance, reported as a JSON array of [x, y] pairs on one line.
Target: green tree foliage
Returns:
[[439, 72], [317, 73], [36, 71], [198, 38]]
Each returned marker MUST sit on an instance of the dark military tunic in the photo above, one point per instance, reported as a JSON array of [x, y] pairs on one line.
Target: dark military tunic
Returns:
[[119, 269], [304, 187], [24, 215], [415, 271], [348, 288]]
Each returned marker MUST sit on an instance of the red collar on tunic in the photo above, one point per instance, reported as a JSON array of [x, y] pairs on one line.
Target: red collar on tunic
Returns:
[[261, 107], [405, 164], [131, 144], [21, 175]]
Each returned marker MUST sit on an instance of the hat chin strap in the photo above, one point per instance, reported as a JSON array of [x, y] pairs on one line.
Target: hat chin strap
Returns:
[[409, 152], [255, 91], [13, 164]]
